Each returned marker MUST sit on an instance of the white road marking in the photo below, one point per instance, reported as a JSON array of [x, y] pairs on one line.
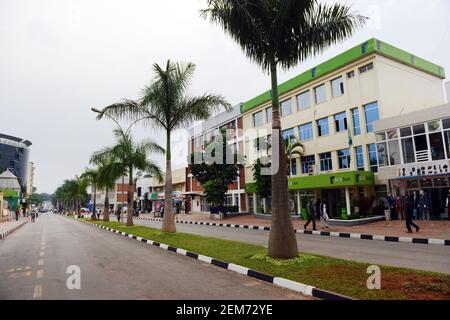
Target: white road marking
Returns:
[[41, 262], [42, 254], [39, 274], [37, 292]]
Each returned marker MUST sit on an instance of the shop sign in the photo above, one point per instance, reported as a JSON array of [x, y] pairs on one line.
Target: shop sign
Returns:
[[424, 169]]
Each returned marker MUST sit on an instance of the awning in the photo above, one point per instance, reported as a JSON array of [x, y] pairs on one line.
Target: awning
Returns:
[[333, 180], [192, 193]]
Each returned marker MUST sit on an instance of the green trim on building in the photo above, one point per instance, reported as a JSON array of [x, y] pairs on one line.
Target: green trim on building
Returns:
[[10, 194], [250, 188], [345, 58], [333, 180]]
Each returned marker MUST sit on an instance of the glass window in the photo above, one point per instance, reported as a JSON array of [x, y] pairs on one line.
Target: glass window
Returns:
[[394, 153], [359, 158], [326, 163], [356, 122], [323, 128], [351, 74], [408, 150], [421, 143], [337, 86], [340, 121], [382, 154], [437, 146], [289, 134], [306, 132], [307, 162], [258, 119], [344, 159], [269, 114], [419, 129], [366, 68], [372, 149], [320, 94], [446, 123], [380, 137], [292, 167], [286, 109], [372, 115], [434, 126], [447, 142], [405, 132], [303, 101], [392, 134]]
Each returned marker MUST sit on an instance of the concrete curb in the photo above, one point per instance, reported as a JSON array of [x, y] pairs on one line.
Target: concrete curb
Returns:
[[319, 233], [281, 282], [6, 233]]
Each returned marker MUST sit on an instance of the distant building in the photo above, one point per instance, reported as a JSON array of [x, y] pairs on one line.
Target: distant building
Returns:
[[178, 190], [118, 196], [14, 154], [30, 178], [447, 91]]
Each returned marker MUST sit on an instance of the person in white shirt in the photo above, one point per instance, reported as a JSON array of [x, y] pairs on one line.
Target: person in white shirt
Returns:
[[324, 216]]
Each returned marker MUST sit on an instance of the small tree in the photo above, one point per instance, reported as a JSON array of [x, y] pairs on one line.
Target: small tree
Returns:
[[217, 173]]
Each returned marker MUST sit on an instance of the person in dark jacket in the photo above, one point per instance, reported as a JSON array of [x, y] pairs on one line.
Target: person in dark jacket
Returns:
[[424, 206], [392, 206], [409, 212], [311, 215], [415, 201]]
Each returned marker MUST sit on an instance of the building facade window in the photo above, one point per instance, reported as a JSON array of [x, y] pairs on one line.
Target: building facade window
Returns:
[[366, 68], [304, 101], [340, 121], [289, 135], [351, 74], [337, 86], [258, 119], [269, 115], [292, 167], [286, 108], [372, 114], [344, 159], [307, 163], [326, 163], [382, 154], [323, 127], [372, 150], [306, 132], [320, 94], [356, 122], [359, 158]]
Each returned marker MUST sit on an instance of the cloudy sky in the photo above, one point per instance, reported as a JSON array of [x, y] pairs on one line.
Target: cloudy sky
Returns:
[[59, 58]]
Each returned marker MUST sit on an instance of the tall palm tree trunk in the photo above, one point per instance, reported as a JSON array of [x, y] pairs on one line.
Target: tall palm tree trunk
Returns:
[[106, 208], [130, 210], [168, 221], [94, 211], [282, 240]]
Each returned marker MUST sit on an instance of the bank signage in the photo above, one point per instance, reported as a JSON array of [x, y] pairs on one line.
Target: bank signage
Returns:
[[424, 169], [336, 180]]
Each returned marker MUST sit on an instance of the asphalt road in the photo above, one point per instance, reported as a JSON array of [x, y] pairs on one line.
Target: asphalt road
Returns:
[[415, 256], [34, 261]]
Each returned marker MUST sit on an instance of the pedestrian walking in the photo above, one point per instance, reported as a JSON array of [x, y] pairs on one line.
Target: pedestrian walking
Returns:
[[17, 214], [118, 215], [324, 216], [409, 212], [399, 205], [415, 199], [33, 216], [392, 206], [424, 206], [311, 215]]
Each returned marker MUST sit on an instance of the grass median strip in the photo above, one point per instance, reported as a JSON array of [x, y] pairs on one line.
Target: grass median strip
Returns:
[[341, 276]]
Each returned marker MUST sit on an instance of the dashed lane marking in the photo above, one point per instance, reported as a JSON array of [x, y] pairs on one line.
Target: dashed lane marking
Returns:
[[37, 292]]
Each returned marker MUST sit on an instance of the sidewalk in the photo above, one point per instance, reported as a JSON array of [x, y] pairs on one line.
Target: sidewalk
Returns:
[[7, 227], [429, 229]]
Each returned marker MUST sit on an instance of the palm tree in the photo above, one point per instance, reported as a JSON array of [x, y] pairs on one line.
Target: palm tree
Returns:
[[282, 33], [293, 147], [92, 176], [131, 156], [166, 104]]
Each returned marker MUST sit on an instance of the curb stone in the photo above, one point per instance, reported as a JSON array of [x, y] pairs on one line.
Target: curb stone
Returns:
[[6, 233], [319, 233], [281, 282]]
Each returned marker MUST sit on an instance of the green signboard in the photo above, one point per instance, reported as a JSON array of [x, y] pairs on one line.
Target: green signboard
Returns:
[[334, 180]]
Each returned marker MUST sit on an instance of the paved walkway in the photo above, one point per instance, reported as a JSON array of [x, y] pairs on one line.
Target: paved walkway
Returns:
[[8, 225], [429, 229]]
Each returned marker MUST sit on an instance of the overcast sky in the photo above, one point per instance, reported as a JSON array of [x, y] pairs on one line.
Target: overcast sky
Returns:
[[60, 58]]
